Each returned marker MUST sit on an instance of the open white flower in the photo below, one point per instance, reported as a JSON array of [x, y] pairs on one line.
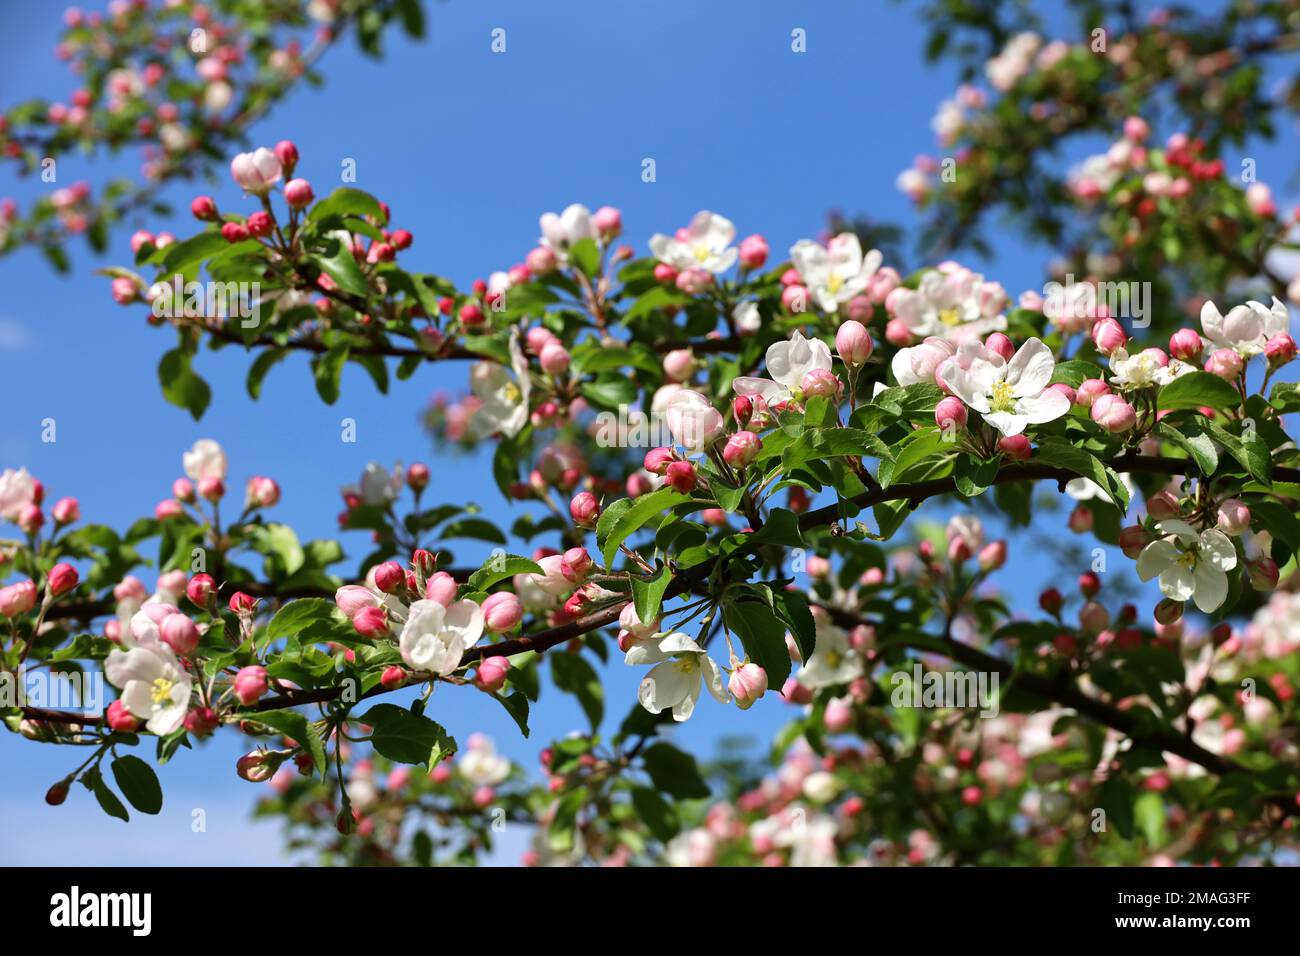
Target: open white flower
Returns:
[[378, 485], [787, 364], [435, 638], [17, 491], [560, 233], [833, 660], [1246, 327], [206, 459], [1188, 564], [1085, 489], [1013, 395], [950, 305], [681, 665], [155, 688], [692, 419], [836, 272], [480, 764], [746, 317], [1145, 368], [504, 397], [704, 244]]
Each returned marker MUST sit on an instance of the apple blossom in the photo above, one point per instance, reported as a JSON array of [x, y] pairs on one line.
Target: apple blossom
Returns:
[[561, 232], [256, 172], [435, 637], [704, 244], [502, 612], [1189, 564], [836, 272], [681, 667], [787, 365], [155, 688], [1014, 395]]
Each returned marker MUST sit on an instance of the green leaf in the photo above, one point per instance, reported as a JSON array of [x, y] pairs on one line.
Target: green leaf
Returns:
[[297, 728], [138, 783], [298, 618], [794, 610], [1149, 814], [336, 261], [516, 706], [585, 254], [479, 528], [108, 800], [781, 527], [610, 392], [498, 568], [575, 676], [657, 814], [1074, 372], [181, 385], [674, 772], [1085, 464], [648, 594], [181, 255], [1285, 397], [281, 541], [1251, 453], [257, 372], [1191, 438], [822, 443], [346, 201], [327, 371], [401, 735], [763, 635], [632, 518], [1197, 389]]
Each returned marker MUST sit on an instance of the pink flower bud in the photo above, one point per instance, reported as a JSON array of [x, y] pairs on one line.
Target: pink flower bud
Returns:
[[261, 492], [351, 598], [795, 692], [820, 382], [1167, 612], [119, 719], [441, 587], [1163, 504], [679, 364], [576, 565], [694, 281], [63, 578], [753, 252], [242, 603], [1136, 129], [179, 633], [680, 475], [794, 298], [747, 683], [124, 290], [608, 222], [212, 488], [1263, 574], [741, 449], [1081, 520], [30, 518], [899, 333], [838, 716], [257, 767], [657, 460], [183, 489], [1093, 617], [1225, 363], [1133, 539], [390, 577], [491, 673], [1015, 447], [17, 598], [540, 261], [1280, 349], [554, 359], [249, 683], [1108, 335], [853, 343], [1233, 517], [993, 555], [502, 612], [584, 509], [393, 677], [1185, 345], [203, 208], [298, 193], [950, 414], [287, 153], [371, 622], [665, 274], [1000, 344], [1089, 391], [66, 511], [1113, 413], [255, 172]]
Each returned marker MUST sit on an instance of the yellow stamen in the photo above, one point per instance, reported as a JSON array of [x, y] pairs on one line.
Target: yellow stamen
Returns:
[[512, 392], [1002, 399], [949, 316], [702, 252], [162, 690], [834, 283]]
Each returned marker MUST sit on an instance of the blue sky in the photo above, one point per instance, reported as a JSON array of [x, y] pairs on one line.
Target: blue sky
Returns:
[[468, 148]]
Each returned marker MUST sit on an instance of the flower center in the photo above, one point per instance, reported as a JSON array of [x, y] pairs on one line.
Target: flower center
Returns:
[[834, 282], [162, 690], [1001, 398], [702, 252], [685, 664], [1188, 560], [949, 316], [834, 658], [512, 393]]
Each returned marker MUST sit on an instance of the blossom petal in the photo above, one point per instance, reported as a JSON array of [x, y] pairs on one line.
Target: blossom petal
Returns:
[[1156, 558], [1030, 369], [1216, 549], [1211, 586], [1047, 406], [1177, 582]]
